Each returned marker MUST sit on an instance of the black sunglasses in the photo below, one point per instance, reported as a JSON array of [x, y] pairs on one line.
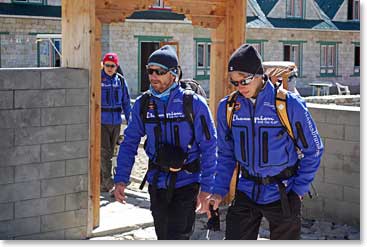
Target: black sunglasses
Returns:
[[110, 65], [157, 71], [243, 82]]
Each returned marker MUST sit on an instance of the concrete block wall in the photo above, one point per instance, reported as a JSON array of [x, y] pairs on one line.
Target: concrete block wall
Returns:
[[44, 128], [338, 178]]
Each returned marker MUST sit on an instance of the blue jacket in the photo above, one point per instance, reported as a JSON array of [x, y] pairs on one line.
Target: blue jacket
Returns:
[[115, 97], [203, 148], [261, 145]]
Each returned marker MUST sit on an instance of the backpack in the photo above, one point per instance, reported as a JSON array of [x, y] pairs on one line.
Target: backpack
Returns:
[[281, 109]]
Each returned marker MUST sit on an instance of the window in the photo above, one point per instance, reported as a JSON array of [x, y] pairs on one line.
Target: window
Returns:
[[295, 8], [258, 44], [353, 10], [48, 54], [202, 59], [42, 2], [356, 59], [328, 59], [159, 5], [293, 52]]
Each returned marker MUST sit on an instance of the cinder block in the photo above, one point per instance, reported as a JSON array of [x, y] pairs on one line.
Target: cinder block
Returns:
[[342, 212], [77, 132], [350, 148], [76, 97], [64, 115], [76, 167], [20, 118], [62, 151], [55, 235], [42, 206], [40, 135], [332, 191], [20, 155], [66, 185], [318, 115], [320, 177], [342, 177], [352, 195], [65, 78], [19, 227], [7, 138], [332, 161], [52, 169], [352, 133], [352, 163], [76, 201], [25, 173], [6, 211], [6, 99], [6, 175], [313, 208], [39, 98], [64, 220], [12, 79], [343, 117], [333, 131], [20, 191], [76, 233]]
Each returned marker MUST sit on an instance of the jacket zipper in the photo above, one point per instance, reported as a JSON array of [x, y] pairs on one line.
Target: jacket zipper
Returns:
[[252, 115]]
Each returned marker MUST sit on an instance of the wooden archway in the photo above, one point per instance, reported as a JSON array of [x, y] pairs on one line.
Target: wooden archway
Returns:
[[81, 35]]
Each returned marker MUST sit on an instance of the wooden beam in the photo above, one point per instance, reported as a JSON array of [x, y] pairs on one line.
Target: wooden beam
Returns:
[[81, 46]]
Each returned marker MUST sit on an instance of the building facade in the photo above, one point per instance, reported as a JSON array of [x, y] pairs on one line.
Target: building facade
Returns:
[[321, 36]]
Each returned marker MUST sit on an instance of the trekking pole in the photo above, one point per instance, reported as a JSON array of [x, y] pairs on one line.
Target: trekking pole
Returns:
[[213, 222]]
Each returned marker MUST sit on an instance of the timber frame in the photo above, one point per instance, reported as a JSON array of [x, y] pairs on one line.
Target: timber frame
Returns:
[[81, 35]]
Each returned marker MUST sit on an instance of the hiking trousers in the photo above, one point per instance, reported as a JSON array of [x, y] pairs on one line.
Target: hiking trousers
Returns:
[[109, 137], [244, 218], [174, 219]]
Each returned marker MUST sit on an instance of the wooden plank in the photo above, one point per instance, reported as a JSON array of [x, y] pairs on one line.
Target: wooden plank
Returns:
[[81, 46]]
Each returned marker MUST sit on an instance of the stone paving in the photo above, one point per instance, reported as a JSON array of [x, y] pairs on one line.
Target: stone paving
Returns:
[[138, 222]]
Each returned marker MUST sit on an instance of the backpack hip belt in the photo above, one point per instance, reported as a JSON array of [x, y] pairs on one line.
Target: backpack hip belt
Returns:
[[283, 175], [117, 109], [191, 167]]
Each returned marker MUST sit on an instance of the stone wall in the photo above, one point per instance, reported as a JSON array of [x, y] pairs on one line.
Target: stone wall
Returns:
[[338, 178], [44, 127], [346, 100]]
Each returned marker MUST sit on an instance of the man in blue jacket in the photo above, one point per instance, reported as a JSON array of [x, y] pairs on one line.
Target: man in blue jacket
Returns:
[[182, 152], [114, 98], [273, 176]]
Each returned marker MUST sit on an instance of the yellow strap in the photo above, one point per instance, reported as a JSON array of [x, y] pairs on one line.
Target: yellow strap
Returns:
[[281, 106], [231, 102]]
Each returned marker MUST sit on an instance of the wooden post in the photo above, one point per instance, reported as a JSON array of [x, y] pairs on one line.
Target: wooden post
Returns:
[[81, 48], [226, 38]]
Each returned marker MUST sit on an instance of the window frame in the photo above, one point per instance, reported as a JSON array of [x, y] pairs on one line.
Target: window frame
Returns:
[[205, 69], [259, 42], [292, 13], [298, 63], [160, 6], [356, 69], [27, 2], [325, 58]]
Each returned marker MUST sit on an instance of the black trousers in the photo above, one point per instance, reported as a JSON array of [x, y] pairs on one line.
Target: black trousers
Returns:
[[174, 219], [244, 218], [109, 136]]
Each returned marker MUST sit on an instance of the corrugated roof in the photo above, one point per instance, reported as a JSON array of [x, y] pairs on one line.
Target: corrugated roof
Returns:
[[30, 10], [267, 5], [330, 7], [350, 25]]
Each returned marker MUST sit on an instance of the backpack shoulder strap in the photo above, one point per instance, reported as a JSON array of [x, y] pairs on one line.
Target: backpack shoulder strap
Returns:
[[281, 108], [231, 102], [188, 106], [144, 101]]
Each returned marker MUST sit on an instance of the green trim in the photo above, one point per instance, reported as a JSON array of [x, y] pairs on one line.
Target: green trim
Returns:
[[4, 33], [44, 2], [355, 75], [252, 41], [357, 43], [145, 38], [207, 40], [35, 33], [299, 63], [325, 42], [201, 77], [286, 42]]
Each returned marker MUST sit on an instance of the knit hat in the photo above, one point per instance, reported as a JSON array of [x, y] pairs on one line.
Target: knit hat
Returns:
[[246, 59], [166, 58], [112, 57]]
